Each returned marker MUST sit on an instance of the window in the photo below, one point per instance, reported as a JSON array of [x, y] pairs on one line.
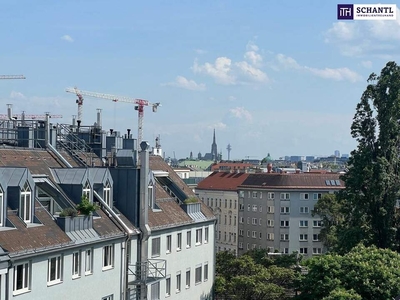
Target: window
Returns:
[[225, 219], [1, 206], [260, 209], [219, 202], [88, 261], [316, 251], [155, 291], [260, 235], [248, 207], [317, 196], [285, 210], [247, 246], [240, 232], [179, 241], [230, 203], [248, 233], [304, 209], [234, 237], [54, 269], [188, 239], [25, 204], [270, 223], [234, 220], [241, 206], [284, 236], [169, 243], [303, 237], [261, 195], [22, 277], [254, 234], [240, 245], [230, 220], [248, 220], [107, 193], [303, 223], [86, 190], [303, 250], [315, 237], [155, 247], [303, 196], [188, 279], [271, 195], [284, 223], [178, 282], [226, 203], [285, 251], [254, 221], [254, 194], [168, 287], [254, 208], [317, 223], [150, 196], [110, 297], [197, 275], [206, 234], [260, 221], [235, 204], [241, 220], [270, 236], [285, 196], [271, 209], [206, 270], [108, 256], [199, 236], [76, 264]]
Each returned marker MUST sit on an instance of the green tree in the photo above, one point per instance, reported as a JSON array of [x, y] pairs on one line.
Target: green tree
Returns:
[[243, 278], [367, 205], [363, 273]]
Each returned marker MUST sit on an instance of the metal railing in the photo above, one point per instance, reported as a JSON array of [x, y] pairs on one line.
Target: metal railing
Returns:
[[151, 270]]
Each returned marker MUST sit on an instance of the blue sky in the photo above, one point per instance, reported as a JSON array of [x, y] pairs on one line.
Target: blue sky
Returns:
[[282, 77]]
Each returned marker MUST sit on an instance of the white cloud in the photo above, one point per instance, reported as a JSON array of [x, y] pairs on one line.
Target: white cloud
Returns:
[[337, 74], [184, 83], [67, 38], [17, 95], [221, 70], [251, 46], [200, 51], [241, 113], [253, 57], [218, 126], [366, 64], [252, 72], [378, 38]]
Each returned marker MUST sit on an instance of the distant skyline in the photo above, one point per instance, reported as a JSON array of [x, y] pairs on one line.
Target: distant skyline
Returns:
[[271, 77]]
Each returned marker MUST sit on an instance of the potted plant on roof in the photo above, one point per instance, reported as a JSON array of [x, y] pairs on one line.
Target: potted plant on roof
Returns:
[[86, 207], [191, 204]]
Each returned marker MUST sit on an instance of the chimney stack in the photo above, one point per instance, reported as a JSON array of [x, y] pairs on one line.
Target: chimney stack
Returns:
[[99, 117], [9, 111]]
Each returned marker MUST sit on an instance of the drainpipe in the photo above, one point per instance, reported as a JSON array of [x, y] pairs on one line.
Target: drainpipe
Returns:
[[124, 254], [144, 215]]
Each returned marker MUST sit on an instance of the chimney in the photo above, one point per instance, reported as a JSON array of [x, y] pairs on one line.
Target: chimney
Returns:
[[79, 124], [129, 133], [99, 117], [9, 111], [144, 201], [111, 131], [73, 121], [269, 168]]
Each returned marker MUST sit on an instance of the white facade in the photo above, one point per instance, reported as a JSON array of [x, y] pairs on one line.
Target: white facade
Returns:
[[54, 276], [184, 258], [225, 207]]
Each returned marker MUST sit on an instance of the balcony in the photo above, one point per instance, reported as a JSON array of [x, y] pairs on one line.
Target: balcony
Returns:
[[148, 272]]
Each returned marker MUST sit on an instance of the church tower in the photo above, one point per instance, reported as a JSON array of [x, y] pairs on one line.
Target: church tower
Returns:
[[214, 151]]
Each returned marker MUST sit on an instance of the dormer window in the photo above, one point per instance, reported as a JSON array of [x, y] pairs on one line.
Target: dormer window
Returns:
[[1, 206], [87, 190], [151, 196], [25, 205], [107, 193]]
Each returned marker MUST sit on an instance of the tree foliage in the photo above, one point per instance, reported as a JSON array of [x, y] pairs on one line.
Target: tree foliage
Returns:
[[252, 276], [363, 273], [365, 212]]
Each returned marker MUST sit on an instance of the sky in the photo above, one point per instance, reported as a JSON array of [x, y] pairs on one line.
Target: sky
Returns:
[[278, 77]]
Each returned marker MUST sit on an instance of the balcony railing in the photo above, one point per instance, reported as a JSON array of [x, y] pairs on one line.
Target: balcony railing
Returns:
[[151, 271]]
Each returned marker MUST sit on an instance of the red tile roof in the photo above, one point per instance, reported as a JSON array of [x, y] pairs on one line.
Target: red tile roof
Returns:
[[222, 181], [292, 181], [231, 166]]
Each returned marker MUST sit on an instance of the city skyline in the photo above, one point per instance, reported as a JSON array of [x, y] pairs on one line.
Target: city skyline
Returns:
[[267, 82]]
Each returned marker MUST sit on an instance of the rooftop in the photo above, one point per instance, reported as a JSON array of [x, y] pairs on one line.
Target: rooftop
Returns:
[[223, 181]]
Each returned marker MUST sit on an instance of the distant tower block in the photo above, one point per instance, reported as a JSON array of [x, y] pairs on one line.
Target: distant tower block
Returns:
[[229, 148]]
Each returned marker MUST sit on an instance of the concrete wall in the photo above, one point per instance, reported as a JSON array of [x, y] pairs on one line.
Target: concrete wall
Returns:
[[185, 259], [99, 284], [228, 229], [263, 226]]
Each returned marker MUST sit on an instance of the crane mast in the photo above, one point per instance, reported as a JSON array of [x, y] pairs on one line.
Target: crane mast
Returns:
[[140, 104]]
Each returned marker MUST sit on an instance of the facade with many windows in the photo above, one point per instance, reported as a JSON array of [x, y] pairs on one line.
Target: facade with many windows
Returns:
[[219, 192], [276, 211]]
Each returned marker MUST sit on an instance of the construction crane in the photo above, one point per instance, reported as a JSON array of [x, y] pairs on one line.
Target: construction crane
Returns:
[[12, 77], [140, 104], [79, 101], [29, 117]]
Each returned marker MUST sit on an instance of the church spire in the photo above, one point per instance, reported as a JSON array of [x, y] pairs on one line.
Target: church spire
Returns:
[[214, 151]]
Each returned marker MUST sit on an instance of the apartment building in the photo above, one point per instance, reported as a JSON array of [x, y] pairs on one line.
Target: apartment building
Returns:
[[127, 249], [219, 192], [275, 211]]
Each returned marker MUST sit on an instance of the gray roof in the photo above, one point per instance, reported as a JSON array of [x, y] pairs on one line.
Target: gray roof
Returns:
[[12, 176], [70, 176]]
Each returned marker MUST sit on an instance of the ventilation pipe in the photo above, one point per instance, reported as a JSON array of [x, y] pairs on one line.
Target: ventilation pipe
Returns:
[[144, 213], [99, 117], [9, 111]]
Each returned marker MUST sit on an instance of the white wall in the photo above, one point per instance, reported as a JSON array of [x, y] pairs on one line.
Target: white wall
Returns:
[[181, 261]]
